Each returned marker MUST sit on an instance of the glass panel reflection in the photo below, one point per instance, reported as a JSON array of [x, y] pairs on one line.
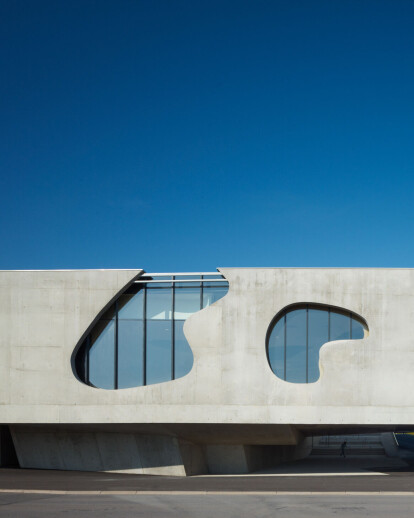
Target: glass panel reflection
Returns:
[[318, 334], [130, 353], [298, 335], [187, 301], [357, 330], [196, 280], [211, 295], [159, 304], [183, 360], [340, 326], [296, 346], [131, 306], [159, 351], [102, 355], [133, 342], [277, 349]]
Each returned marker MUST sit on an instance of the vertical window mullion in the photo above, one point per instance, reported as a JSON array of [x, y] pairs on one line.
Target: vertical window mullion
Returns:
[[88, 346], [116, 348], [201, 292], [284, 368], [329, 324], [307, 342], [173, 331], [350, 326], [144, 349]]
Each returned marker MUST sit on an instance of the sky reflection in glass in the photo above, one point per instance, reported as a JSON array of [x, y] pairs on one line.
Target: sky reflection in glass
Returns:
[[140, 340], [297, 336]]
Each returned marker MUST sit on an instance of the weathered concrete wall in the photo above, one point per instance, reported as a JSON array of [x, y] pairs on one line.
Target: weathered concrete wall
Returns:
[[369, 382], [365, 381], [43, 315]]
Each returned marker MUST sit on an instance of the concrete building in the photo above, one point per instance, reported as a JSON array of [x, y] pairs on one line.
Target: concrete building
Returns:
[[121, 370]]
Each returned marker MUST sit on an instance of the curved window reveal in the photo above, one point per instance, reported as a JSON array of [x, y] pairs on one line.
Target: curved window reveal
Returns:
[[298, 333], [140, 340]]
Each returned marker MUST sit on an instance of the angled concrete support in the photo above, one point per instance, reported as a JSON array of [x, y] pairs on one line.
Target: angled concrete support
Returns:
[[39, 447]]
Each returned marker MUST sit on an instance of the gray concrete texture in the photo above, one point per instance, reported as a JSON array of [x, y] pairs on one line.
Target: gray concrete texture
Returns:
[[333, 475], [44, 316], [205, 506]]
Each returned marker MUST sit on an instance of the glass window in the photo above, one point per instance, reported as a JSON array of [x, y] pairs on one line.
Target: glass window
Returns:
[[187, 301], [318, 334], [159, 304], [357, 330], [340, 326], [211, 295], [296, 338], [195, 278], [183, 359], [131, 306], [296, 346], [277, 349], [159, 351], [130, 353], [135, 338], [102, 355]]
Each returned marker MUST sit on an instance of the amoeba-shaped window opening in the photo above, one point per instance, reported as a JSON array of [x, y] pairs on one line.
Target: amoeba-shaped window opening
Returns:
[[297, 334], [140, 340]]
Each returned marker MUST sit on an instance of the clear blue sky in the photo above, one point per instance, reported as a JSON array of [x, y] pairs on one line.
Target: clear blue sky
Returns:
[[186, 135]]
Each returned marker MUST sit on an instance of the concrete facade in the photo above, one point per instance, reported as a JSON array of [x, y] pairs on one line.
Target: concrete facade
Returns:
[[44, 316]]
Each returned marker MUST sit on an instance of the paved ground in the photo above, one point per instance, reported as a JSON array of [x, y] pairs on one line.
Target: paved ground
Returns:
[[333, 475], [204, 506], [337, 486]]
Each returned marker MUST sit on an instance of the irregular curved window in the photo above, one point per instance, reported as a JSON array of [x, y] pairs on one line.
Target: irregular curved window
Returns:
[[298, 333], [140, 340]]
